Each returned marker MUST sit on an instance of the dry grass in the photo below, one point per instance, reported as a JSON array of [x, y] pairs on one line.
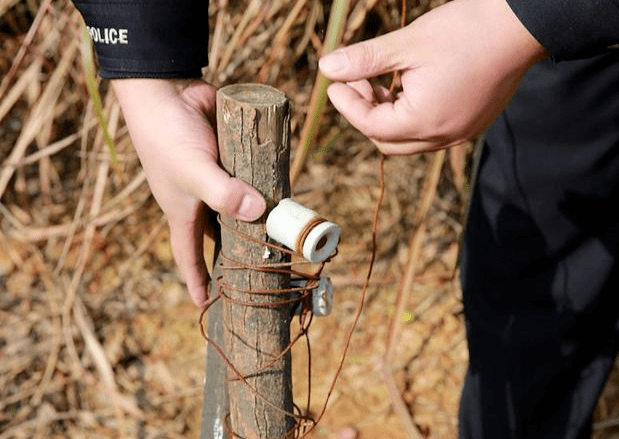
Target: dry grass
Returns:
[[97, 337]]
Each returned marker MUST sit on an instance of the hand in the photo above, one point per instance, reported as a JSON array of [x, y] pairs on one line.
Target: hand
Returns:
[[171, 125], [460, 65]]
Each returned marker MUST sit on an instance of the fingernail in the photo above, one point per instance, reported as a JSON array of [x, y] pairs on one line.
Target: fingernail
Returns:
[[251, 208], [334, 62]]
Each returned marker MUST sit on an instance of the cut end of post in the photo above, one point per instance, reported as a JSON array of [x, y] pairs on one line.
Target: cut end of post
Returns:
[[255, 94]]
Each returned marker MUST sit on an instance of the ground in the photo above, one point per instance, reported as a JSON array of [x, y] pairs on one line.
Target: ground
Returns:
[[98, 338]]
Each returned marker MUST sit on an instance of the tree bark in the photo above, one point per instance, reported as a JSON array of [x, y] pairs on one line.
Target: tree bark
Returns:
[[253, 125]]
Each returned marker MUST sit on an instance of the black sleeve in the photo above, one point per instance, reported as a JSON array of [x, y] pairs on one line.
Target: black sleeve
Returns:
[[148, 38], [571, 29]]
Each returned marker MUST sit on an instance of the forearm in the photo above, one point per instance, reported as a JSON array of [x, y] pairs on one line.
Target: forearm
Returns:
[[148, 39]]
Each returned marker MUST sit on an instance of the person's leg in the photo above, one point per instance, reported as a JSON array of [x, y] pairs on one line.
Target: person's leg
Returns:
[[540, 263]]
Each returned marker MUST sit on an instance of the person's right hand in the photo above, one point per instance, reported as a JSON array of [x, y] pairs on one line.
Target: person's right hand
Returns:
[[171, 123], [460, 64]]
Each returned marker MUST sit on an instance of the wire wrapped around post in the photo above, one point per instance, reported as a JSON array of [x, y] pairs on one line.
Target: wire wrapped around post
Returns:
[[296, 299]]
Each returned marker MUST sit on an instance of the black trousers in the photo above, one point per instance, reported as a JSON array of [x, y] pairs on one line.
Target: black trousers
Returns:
[[540, 262]]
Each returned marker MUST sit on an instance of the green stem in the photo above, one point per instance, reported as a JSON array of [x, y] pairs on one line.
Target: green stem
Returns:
[[333, 37], [93, 91]]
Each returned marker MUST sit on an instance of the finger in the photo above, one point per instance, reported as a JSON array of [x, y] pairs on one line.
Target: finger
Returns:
[[383, 121], [187, 247], [370, 92], [364, 88], [412, 147], [367, 59], [227, 195], [208, 181]]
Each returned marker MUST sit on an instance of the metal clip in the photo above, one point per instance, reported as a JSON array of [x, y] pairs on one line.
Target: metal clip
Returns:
[[322, 296]]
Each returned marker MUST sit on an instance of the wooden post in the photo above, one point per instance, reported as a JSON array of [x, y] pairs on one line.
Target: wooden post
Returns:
[[215, 405], [253, 125]]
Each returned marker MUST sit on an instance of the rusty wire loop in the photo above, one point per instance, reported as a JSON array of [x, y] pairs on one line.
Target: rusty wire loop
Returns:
[[306, 231]]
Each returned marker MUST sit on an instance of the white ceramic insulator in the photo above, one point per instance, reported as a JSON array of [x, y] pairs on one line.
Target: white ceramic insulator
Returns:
[[288, 220]]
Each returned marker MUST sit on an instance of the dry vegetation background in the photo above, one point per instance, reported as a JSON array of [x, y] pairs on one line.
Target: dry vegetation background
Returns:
[[97, 336]]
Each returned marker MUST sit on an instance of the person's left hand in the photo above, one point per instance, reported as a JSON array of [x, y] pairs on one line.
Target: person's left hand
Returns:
[[171, 123]]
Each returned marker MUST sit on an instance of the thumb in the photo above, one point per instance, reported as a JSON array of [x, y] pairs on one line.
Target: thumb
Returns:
[[367, 59], [229, 196]]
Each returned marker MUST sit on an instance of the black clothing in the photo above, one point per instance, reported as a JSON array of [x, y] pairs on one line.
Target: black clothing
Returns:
[[570, 29], [148, 38], [540, 265], [170, 38]]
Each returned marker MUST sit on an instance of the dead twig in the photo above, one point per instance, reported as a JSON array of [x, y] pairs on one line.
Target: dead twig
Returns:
[[39, 114], [34, 28]]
